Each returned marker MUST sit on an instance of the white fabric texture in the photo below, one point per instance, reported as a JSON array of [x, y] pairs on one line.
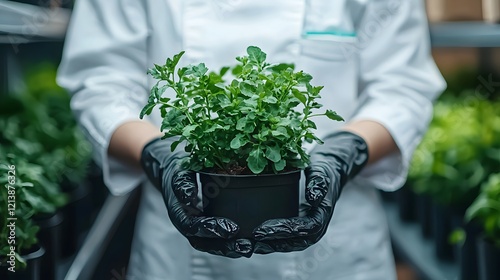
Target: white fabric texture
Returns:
[[373, 57]]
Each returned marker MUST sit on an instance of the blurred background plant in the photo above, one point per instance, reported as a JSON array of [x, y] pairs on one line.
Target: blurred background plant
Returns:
[[460, 150], [40, 137]]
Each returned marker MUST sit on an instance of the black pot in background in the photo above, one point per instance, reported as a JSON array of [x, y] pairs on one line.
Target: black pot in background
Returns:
[[77, 216], [33, 267], [50, 237], [441, 230], [250, 200], [387, 196], [424, 213], [98, 190], [488, 260], [468, 253], [406, 204]]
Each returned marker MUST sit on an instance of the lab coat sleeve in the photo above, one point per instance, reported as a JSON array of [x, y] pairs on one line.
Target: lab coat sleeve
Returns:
[[398, 83], [104, 68]]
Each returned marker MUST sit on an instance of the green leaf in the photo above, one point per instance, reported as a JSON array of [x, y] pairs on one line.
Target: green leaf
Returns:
[[147, 110], [311, 124], [256, 55], [240, 125], [280, 165], [247, 89], [200, 70], [270, 100], [280, 131], [177, 57], [224, 70], [303, 78], [273, 153], [333, 115], [174, 145], [300, 96], [186, 132], [236, 71], [277, 68], [154, 73], [256, 160], [238, 141]]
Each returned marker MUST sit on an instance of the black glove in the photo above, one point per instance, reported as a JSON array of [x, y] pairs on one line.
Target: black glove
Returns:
[[335, 162], [180, 192]]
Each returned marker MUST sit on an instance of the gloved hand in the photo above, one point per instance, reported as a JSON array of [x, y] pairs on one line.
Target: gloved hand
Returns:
[[338, 160], [214, 235]]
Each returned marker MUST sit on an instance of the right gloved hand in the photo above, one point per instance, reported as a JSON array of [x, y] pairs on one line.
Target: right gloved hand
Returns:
[[214, 235]]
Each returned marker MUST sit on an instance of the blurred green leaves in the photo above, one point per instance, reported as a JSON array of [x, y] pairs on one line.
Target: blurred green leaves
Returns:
[[39, 136], [460, 150]]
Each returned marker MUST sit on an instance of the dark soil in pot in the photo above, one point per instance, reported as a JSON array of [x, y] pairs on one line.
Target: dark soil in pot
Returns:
[[33, 267], [250, 200], [50, 237], [488, 260]]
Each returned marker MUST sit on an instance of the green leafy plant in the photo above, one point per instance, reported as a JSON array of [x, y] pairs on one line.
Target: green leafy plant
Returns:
[[41, 139], [486, 209], [257, 122], [459, 151]]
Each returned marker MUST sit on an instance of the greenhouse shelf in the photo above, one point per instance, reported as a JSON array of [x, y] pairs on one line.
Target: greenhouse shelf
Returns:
[[418, 252], [465, 34]]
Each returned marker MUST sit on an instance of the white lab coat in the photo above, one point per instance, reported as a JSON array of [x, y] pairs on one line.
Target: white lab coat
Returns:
[[373, 57]]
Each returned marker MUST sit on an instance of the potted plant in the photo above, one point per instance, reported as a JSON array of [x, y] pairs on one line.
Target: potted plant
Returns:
[[486, 210], [244, 136]]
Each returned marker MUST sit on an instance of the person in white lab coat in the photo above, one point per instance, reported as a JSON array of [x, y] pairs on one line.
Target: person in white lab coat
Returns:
[[373, 57]]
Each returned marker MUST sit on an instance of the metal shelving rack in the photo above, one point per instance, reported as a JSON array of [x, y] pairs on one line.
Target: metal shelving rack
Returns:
[[465, 34], [18, 26]]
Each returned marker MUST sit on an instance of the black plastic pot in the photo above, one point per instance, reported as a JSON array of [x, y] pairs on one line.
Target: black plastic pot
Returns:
[[50, 237], [250, 200], [98, 190], [441, 230], [406, 204], [33, 267], [488, 260], [468, 253], [77, 215], [387, 196], [424, 214]]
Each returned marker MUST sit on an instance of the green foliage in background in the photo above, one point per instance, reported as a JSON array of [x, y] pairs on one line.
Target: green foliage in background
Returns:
[[40, 137], [252, 121], [486, 209], [459, 151]]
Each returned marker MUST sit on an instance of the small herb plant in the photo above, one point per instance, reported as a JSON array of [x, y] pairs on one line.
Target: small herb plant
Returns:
[[256, 123]]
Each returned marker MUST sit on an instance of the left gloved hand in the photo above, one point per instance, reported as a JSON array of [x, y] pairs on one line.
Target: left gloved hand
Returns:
[[214, 235], [338, 160]]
